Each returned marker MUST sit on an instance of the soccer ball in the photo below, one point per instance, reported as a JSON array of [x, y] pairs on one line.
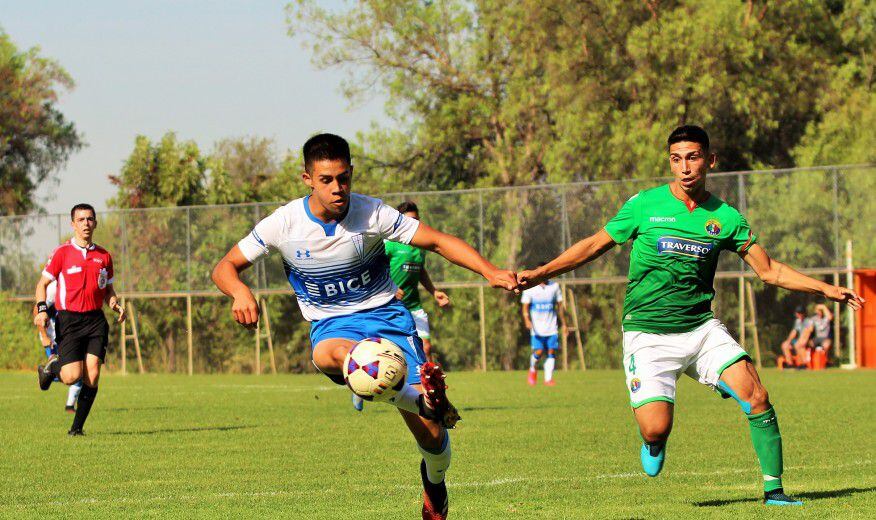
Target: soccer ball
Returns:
[[375, 369]]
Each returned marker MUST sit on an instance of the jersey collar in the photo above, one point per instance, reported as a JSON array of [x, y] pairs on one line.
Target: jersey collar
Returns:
[[328, 227], [690, 204], [83, 249]]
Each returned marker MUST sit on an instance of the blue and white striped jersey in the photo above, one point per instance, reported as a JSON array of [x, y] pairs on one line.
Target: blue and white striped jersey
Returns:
[[335, 269], [542, 300]]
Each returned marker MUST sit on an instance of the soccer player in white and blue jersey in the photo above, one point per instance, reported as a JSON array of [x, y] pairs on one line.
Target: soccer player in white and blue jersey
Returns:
[[542, 305], [333, 251]]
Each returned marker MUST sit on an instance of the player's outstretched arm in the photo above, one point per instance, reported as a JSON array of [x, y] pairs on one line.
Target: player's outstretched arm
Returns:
[[226, 276], [580, 253], [776, 273], [460, 253]]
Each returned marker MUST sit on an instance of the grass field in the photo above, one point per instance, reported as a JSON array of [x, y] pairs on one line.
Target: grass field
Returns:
[[291, 446]]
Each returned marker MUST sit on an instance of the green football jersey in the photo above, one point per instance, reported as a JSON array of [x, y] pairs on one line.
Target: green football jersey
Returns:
[[406, 262], [674, 257]]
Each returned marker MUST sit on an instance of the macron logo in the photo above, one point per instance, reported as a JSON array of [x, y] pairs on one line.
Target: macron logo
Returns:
[[662, 219]]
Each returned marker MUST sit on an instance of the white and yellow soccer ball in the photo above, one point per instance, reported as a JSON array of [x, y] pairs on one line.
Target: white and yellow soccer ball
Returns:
[[375, 369]]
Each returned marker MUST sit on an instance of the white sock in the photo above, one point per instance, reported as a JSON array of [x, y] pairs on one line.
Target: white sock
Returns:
[[73, 393], [437, 463], [533, 360], [407, 399], [549, 368]]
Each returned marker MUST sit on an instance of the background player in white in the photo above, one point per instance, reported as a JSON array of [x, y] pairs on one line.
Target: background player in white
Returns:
[[541, 306], [47, 339], [332, 247]]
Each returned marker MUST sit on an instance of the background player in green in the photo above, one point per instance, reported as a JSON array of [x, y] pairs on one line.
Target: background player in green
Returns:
[[678, 231], [407, 268]]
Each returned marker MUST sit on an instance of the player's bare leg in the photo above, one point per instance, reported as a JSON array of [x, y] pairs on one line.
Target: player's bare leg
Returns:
[[90, 377], [532, 377], [414, 403], [741, 382], [434, 444], [655, 424]]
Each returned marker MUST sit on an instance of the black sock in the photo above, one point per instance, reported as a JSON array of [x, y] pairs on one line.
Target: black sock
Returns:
[[86, 399], [655, 447]]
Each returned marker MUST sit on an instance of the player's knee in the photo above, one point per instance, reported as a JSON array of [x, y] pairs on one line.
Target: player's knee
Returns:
[[759, 398], [552, 353], [657, 431], [329, 360], [538, 353]]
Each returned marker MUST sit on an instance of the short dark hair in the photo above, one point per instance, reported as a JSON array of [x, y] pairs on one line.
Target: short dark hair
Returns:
[[325, 147], [82, 206], [407, 206], [690, 133]]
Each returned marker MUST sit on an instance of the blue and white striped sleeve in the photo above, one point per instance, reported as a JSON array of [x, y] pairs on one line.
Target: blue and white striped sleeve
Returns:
[[265, 234], [394, 226]]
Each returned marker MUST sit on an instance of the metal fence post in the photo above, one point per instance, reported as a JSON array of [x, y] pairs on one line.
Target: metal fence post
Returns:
[[836, 238], [853, 357], [127, 286], [481, 222], [743, 207], [483, 328], [189, 250]]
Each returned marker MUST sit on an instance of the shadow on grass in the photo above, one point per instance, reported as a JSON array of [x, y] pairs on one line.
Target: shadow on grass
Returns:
[[806, 495], [181, 430]]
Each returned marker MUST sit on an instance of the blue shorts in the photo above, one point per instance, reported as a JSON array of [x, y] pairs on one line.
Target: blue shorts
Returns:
[[544, 342], [391, 321]]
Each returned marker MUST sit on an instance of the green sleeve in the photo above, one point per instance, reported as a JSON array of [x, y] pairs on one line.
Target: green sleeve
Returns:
[[625, 224], [741, 238], [389, 247]]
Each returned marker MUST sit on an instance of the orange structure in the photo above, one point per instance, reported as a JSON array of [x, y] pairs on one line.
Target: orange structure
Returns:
[[865, 321]]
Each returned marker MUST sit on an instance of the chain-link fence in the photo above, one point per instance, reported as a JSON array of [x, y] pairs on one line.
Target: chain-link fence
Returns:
[[164, 256]]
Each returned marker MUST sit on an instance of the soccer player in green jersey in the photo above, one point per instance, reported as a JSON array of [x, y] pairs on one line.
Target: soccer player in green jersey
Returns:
[[407, 269], [678, 230]]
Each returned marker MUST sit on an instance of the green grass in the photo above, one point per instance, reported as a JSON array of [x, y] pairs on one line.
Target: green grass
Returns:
[[291, 446]]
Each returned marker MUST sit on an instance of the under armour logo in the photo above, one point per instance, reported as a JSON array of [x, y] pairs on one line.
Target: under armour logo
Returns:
[[302, 254]]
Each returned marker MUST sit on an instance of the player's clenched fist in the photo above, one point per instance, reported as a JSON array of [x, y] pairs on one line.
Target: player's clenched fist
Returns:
[[245, 309], [528, 278], [502, 279], [41, 319]]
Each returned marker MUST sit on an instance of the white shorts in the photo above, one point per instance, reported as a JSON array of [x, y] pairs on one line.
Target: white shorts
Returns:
[[654, 362], [421, 321]]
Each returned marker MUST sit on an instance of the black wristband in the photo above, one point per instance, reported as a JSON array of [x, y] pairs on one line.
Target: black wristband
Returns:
[[42, 307]]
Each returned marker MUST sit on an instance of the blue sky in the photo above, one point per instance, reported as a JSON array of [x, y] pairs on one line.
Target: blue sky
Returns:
[[206, 70]]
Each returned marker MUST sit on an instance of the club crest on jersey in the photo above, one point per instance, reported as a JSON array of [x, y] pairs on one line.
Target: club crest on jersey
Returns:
[[713, 227], [635, 385], [359, 243], [684, 247]]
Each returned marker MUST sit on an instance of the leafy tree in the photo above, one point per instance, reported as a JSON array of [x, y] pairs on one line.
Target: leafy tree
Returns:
[[35, 138], [510, 93]]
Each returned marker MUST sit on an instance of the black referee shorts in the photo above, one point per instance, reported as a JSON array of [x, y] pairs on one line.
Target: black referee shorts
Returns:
[[80, 333]]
